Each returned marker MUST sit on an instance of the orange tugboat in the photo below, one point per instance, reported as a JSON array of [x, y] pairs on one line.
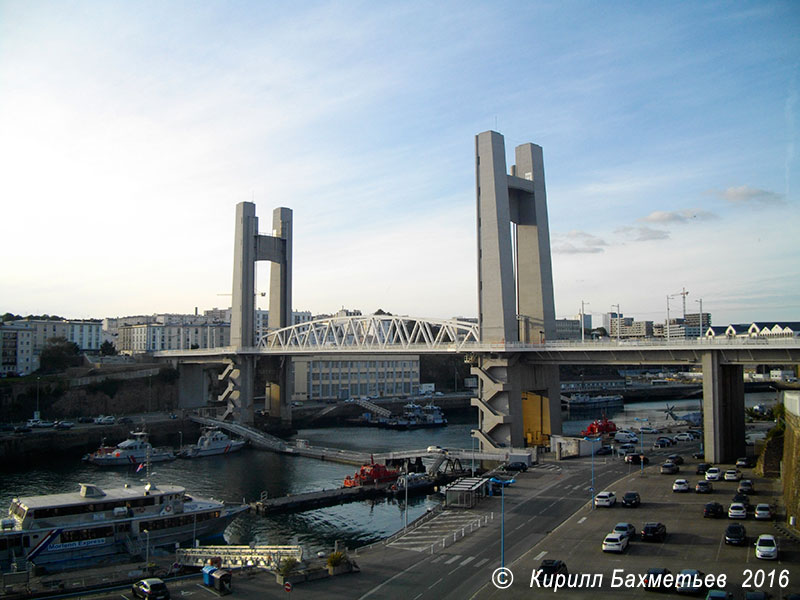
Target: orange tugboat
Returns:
[[371, 474], [599, 427]]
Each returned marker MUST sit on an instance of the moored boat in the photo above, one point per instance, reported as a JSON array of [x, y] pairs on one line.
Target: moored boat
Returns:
[[212, 441], [135, 450], [78, 528], [371, 474]]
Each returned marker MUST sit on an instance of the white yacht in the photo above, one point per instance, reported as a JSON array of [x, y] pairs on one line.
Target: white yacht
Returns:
[[82, 527], [135, 450], [212, 441]]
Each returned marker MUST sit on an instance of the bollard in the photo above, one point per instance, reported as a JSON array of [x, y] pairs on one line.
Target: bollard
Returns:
[[454, 536], [462, 532], [431, 548]]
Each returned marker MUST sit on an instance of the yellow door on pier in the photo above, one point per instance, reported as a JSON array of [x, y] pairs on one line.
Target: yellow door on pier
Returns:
[[536, 419]]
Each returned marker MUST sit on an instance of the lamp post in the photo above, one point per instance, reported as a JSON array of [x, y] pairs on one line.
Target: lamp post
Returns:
[[583, 329], [502, 519], [37, 397], [147, 551], [593, 440], [405, 481], [473, 456], [641, 440]]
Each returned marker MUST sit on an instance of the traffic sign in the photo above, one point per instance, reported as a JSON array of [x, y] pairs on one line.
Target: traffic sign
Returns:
[[287, 586]]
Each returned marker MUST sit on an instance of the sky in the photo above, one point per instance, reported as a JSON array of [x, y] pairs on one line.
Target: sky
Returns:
[[129, 131]]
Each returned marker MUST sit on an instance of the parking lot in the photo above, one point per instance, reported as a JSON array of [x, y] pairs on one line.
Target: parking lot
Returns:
[[692, 542]]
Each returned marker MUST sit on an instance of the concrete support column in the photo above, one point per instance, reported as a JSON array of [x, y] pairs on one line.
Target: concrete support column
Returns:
[[192, 386], [500, 401], [723, 409], [240, 391]]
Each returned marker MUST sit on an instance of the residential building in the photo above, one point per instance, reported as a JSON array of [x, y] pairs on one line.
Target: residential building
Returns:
[[155, 337], [86, 334], [568, 329], [16, 351]]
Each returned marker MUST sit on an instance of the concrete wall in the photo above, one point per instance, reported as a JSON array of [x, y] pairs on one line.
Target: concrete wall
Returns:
[[791, 455]]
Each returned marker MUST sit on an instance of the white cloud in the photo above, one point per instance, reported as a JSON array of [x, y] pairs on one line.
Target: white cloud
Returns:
[[746, 195], [642, 234], [678, 216], [577, 242]]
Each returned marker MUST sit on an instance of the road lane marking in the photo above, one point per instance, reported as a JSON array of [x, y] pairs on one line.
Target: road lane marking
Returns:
[[581, 520], [540, 555], [481, 562], [435, 582], [403, 572], [467, 560], [438, 558], [452, 560]]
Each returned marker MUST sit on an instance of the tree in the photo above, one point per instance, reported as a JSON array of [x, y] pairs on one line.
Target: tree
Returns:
[[107, 349], [59, 354]]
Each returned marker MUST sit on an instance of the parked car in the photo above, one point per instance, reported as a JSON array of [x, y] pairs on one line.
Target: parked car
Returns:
[[680, 485], [101, 420], [719, 595], [651, 574], [516, 466], [150, 588], [767, 547], [746, 487], [702, 468], [713, 510], [64, 425], [667, 439], [626, 529], [615, 542], [551, 566], [763, 512], [603, 450], [607, 499], [22, 429], [631, 499], [646, 429], [669, 468], [637, 459], [736, 534], [627, 448], [741, 499], [125, 421], [435, 449], [699, 455], [703, 487], [85, 420], [713, 474], [745, 461], [733, 475], [688, 581], [675, 458], [661, 443], [684, 437], [654, 531], [737, 510]]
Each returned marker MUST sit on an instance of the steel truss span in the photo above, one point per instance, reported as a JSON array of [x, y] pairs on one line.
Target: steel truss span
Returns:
[[374, 333]]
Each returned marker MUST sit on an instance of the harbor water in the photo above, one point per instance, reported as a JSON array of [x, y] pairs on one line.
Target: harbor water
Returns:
[[245, 475]]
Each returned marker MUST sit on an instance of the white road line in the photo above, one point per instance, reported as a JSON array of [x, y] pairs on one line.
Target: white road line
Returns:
[[481, 562], [435, 582], [581, 520], [438, 558], [519, 526], [540, 555], [403, 572], [467, 560], [452, 560]]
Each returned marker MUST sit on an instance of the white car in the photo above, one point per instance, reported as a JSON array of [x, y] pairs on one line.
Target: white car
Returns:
[[684, 437], [767, 547], [435, 449], [615, 542], [649, 430], [680, 485], [763, 512], [737, 510], [608, 499], [101, 420], [713, 474], [733, 475]]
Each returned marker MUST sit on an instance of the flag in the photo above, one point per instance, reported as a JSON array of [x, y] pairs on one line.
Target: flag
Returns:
[[140, 467]]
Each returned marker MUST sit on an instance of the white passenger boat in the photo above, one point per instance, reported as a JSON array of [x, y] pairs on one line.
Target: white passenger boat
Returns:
[[586, 401], [212, 441], [89, 525], [135, 450]]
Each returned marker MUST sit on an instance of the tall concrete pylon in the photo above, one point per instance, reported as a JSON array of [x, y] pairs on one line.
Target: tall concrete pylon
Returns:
[[249, 247], [519, 402]]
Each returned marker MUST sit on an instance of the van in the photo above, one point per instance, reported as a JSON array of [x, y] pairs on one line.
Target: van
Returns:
[[625, 438]]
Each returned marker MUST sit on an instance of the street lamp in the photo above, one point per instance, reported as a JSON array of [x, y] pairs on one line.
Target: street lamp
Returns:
[[147, 551], [641, 440], [583, 329], [37, 396], [502, 519], [593, 440], [405, 481]]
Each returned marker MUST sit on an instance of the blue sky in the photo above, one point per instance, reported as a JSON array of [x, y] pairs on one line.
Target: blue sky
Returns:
[[129, 131]]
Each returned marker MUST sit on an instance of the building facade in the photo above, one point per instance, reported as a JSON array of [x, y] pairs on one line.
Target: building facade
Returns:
[[16, 351], [322, 378], [86, 334]]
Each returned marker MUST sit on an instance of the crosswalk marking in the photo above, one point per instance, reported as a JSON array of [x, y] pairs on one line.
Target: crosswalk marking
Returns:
[[452, 560], [481, 562], [467, 560]]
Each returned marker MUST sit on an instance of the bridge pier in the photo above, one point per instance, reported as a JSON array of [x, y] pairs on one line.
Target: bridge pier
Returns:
[[192, 386], [723, 409]]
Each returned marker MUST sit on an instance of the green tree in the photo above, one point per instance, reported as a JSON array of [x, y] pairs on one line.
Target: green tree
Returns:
[[107, 349], [59, 354]]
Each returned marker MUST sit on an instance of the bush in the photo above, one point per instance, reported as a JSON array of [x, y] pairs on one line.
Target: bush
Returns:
[[287, 566], [336, 558]]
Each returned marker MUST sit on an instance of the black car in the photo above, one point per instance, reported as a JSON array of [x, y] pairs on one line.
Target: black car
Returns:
[[704, 487], [743, 498], [516, 466], [85, 420], [746, 487], [699, 455], [736, 534], [637, 459], [631, 499], [22, 429], [702, 468], [654, 532], [659, 572], [603, 450], [125, 420], [550, 566], [713, 510], [676, 458]]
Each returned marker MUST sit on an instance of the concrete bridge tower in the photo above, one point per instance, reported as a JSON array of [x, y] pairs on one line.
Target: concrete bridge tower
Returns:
[[519, 402]]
